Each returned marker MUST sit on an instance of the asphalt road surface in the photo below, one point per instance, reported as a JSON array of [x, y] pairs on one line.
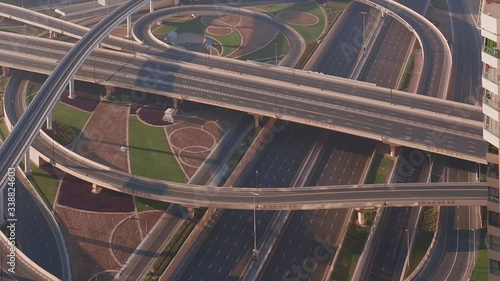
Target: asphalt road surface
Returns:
[[346, 43], [227, 249], [309, 232], [454, 255], [466, 46], [389, 251]]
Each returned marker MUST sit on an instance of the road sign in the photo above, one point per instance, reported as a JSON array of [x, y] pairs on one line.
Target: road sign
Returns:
[[209, 43]]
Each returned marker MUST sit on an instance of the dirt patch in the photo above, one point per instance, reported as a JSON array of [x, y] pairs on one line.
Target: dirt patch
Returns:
[[87, 238], [148, 219], [126, 230], [193, 140], [298, 18], [152, 115], [83, 100], [254, 34], [191, 136], [76, 193], [225, 20], [104, 136], [140, 99], [193, 155], [219, 31]]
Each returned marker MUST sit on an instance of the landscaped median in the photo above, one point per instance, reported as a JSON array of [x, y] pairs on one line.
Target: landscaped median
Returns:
[[425, 233], [481, 266], [173, 246], [356, 236], [150, 154]]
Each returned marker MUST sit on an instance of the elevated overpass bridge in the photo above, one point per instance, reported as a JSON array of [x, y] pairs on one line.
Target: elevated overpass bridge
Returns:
[[452, 131], [338, 110]]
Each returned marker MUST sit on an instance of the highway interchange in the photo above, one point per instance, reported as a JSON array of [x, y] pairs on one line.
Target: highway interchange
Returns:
[[250, 184]]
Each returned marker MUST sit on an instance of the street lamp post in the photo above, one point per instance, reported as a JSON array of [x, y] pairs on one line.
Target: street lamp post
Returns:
[[364, 29], [276, 53], [255, 252], [408, 245]]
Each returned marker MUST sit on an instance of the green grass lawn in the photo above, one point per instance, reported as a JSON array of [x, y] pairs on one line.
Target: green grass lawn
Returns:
[[309, 33], [405, 80], [353, 247], [144, 204], [230, 41], [31, 90], [422, 243], [45, 184], [150, 153], [380, 169], [4, 131], [481, 267], [74, 118]]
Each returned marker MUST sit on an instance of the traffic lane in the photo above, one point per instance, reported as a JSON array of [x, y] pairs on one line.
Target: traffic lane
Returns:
[[385, 65], [385, 96], [466, 55], [317, 232], [395, 97], [347, 41], [296, 42], [446, 222], [390, 233], [306, 248], [227, 249], [245, 89], [171, 191], [35, 238], [434, 57], [467, 146], [456, 257], [459, 240], [390, 246], [22, 270]]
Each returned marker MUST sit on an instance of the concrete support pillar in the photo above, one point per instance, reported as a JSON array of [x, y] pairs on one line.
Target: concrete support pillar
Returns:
[[71, 88], [257, 121], [151, 7], [27, 168], [191, 212], [176, 104], [109, 90], [129, 26], [96, 189], [361, 217], [5, 71], [52, 34], [394, 150], [49, 121]]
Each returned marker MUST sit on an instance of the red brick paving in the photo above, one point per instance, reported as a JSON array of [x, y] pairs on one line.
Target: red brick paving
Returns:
[[153, 115], [127, 233], [76, 193], [105, 134], [298, 18], [82, 100], [87, 239]]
